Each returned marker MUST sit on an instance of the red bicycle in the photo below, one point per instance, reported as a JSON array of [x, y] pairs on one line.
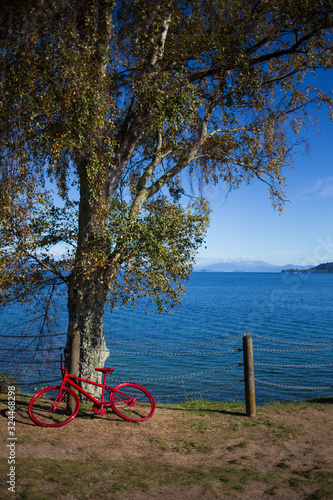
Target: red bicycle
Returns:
[[58, 405]]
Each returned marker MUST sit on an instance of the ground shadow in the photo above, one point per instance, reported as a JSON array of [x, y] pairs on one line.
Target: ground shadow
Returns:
[[21, 408], [202, 411], [324, 400]]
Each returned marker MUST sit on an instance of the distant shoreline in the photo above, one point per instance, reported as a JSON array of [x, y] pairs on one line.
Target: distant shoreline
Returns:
[[295, 271], [255, 267], [322, 268]]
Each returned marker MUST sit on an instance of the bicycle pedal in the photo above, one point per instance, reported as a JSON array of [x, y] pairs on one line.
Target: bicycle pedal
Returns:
[[99, 411]]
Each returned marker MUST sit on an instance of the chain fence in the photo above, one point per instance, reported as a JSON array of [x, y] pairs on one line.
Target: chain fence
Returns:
[[279, 377], [131, 360], [30, 360], [176, 375]]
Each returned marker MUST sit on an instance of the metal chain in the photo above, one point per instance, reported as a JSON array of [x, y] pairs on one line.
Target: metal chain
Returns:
[[294, 366], [175, 376], [174, 347], [200, 354], [196, 392], [18, 362], [39, 382], [170, 353], [291, 350], [33, 350], [286, 342], [34, 336], [190, 375], [293, 386], [197, 353], [161, 354]]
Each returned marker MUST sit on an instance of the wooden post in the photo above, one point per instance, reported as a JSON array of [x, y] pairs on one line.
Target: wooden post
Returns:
[[74, 364], [75, 355], [250, 398]]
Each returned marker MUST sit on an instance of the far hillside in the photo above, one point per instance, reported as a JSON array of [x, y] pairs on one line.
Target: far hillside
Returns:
[[322, 268]]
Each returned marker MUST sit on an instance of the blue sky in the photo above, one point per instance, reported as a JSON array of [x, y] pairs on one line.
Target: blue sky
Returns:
[[245, 225]]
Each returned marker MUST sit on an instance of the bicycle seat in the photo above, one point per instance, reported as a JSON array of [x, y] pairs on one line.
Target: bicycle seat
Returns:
[[104, 370]]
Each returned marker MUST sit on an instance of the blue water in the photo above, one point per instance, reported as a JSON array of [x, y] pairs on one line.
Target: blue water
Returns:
[[220, 308]]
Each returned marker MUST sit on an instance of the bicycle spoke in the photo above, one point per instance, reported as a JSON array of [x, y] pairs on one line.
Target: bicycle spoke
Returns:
[[48, 410], [132, 402]]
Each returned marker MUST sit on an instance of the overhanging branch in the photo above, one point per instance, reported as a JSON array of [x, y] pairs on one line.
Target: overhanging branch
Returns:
[[44, 265]]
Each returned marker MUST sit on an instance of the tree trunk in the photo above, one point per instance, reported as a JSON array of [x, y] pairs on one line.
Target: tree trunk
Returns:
[[86, 304], [88, 284]]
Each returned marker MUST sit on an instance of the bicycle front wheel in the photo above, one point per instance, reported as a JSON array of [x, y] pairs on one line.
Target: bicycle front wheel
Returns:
[[132, 402], [51, 408]]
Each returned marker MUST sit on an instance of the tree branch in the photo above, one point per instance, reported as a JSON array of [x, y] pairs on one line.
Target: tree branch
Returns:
[[46, 311], [283, 52], [45, 266], [131, 130], [202, 136], [104, 31], [158, 157], [205, 73]]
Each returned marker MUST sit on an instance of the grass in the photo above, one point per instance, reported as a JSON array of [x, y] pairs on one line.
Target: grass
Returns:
[[181, 445], [107, 479], [204, 443], [207, 407], [321, 479]]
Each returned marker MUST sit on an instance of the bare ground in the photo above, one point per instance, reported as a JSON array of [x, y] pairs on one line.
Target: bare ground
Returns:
[[198, 452]]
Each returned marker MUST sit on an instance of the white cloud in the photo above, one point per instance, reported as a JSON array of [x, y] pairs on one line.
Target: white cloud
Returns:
[[205, 260], [323, 188]]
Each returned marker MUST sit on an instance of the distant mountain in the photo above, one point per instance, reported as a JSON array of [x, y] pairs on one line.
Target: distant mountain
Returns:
[[322, 268], [242, 266]]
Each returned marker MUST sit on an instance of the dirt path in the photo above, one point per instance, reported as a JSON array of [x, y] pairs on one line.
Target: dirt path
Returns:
[[199, 451]]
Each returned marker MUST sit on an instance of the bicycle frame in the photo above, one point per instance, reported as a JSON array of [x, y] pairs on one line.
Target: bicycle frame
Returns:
[[67, 379], [58, 405]]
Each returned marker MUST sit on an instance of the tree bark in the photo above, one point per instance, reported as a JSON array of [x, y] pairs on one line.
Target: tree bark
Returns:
[[86, 304], [88, 285]]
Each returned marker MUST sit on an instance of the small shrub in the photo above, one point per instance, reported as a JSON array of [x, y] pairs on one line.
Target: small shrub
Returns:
[[5, 380]]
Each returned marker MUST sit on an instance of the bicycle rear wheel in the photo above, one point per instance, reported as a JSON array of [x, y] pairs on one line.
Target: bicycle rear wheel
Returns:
[[50, 408], [132, 402]]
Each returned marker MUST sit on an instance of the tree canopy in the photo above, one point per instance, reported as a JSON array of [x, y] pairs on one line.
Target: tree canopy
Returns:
[[117, 102]]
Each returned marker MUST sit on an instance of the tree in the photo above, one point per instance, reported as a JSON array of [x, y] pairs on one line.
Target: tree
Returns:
[[116, 100]]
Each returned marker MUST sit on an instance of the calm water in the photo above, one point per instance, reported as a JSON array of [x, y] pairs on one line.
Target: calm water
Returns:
[[221, 308]]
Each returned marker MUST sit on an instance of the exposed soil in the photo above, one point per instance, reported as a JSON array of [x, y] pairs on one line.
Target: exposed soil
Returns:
[[201, 451]]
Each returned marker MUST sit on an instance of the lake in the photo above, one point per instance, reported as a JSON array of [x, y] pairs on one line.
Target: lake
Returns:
[[196, 351]]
